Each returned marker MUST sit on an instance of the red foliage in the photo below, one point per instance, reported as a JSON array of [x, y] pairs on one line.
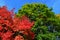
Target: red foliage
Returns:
[[19, 37], [14, 28]]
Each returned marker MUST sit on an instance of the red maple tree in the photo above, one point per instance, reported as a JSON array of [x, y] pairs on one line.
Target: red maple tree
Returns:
[[14, 28]]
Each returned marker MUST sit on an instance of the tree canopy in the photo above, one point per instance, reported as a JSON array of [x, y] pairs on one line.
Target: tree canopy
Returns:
[[47, 25]]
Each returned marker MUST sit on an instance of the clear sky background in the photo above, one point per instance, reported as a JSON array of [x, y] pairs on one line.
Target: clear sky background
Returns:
[[55, 4]]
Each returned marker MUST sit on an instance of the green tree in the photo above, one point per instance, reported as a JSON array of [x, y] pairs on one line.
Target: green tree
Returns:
[[47, 25]]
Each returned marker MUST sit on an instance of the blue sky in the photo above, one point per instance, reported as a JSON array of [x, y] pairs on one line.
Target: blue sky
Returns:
[[19, 3]]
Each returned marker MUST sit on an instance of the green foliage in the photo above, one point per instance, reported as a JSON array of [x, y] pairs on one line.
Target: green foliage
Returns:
[[46, 26], [35, 11], [49, 36]]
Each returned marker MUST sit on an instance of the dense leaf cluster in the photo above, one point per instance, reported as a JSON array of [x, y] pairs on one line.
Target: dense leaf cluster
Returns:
[[14, 28], [47, 25]]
